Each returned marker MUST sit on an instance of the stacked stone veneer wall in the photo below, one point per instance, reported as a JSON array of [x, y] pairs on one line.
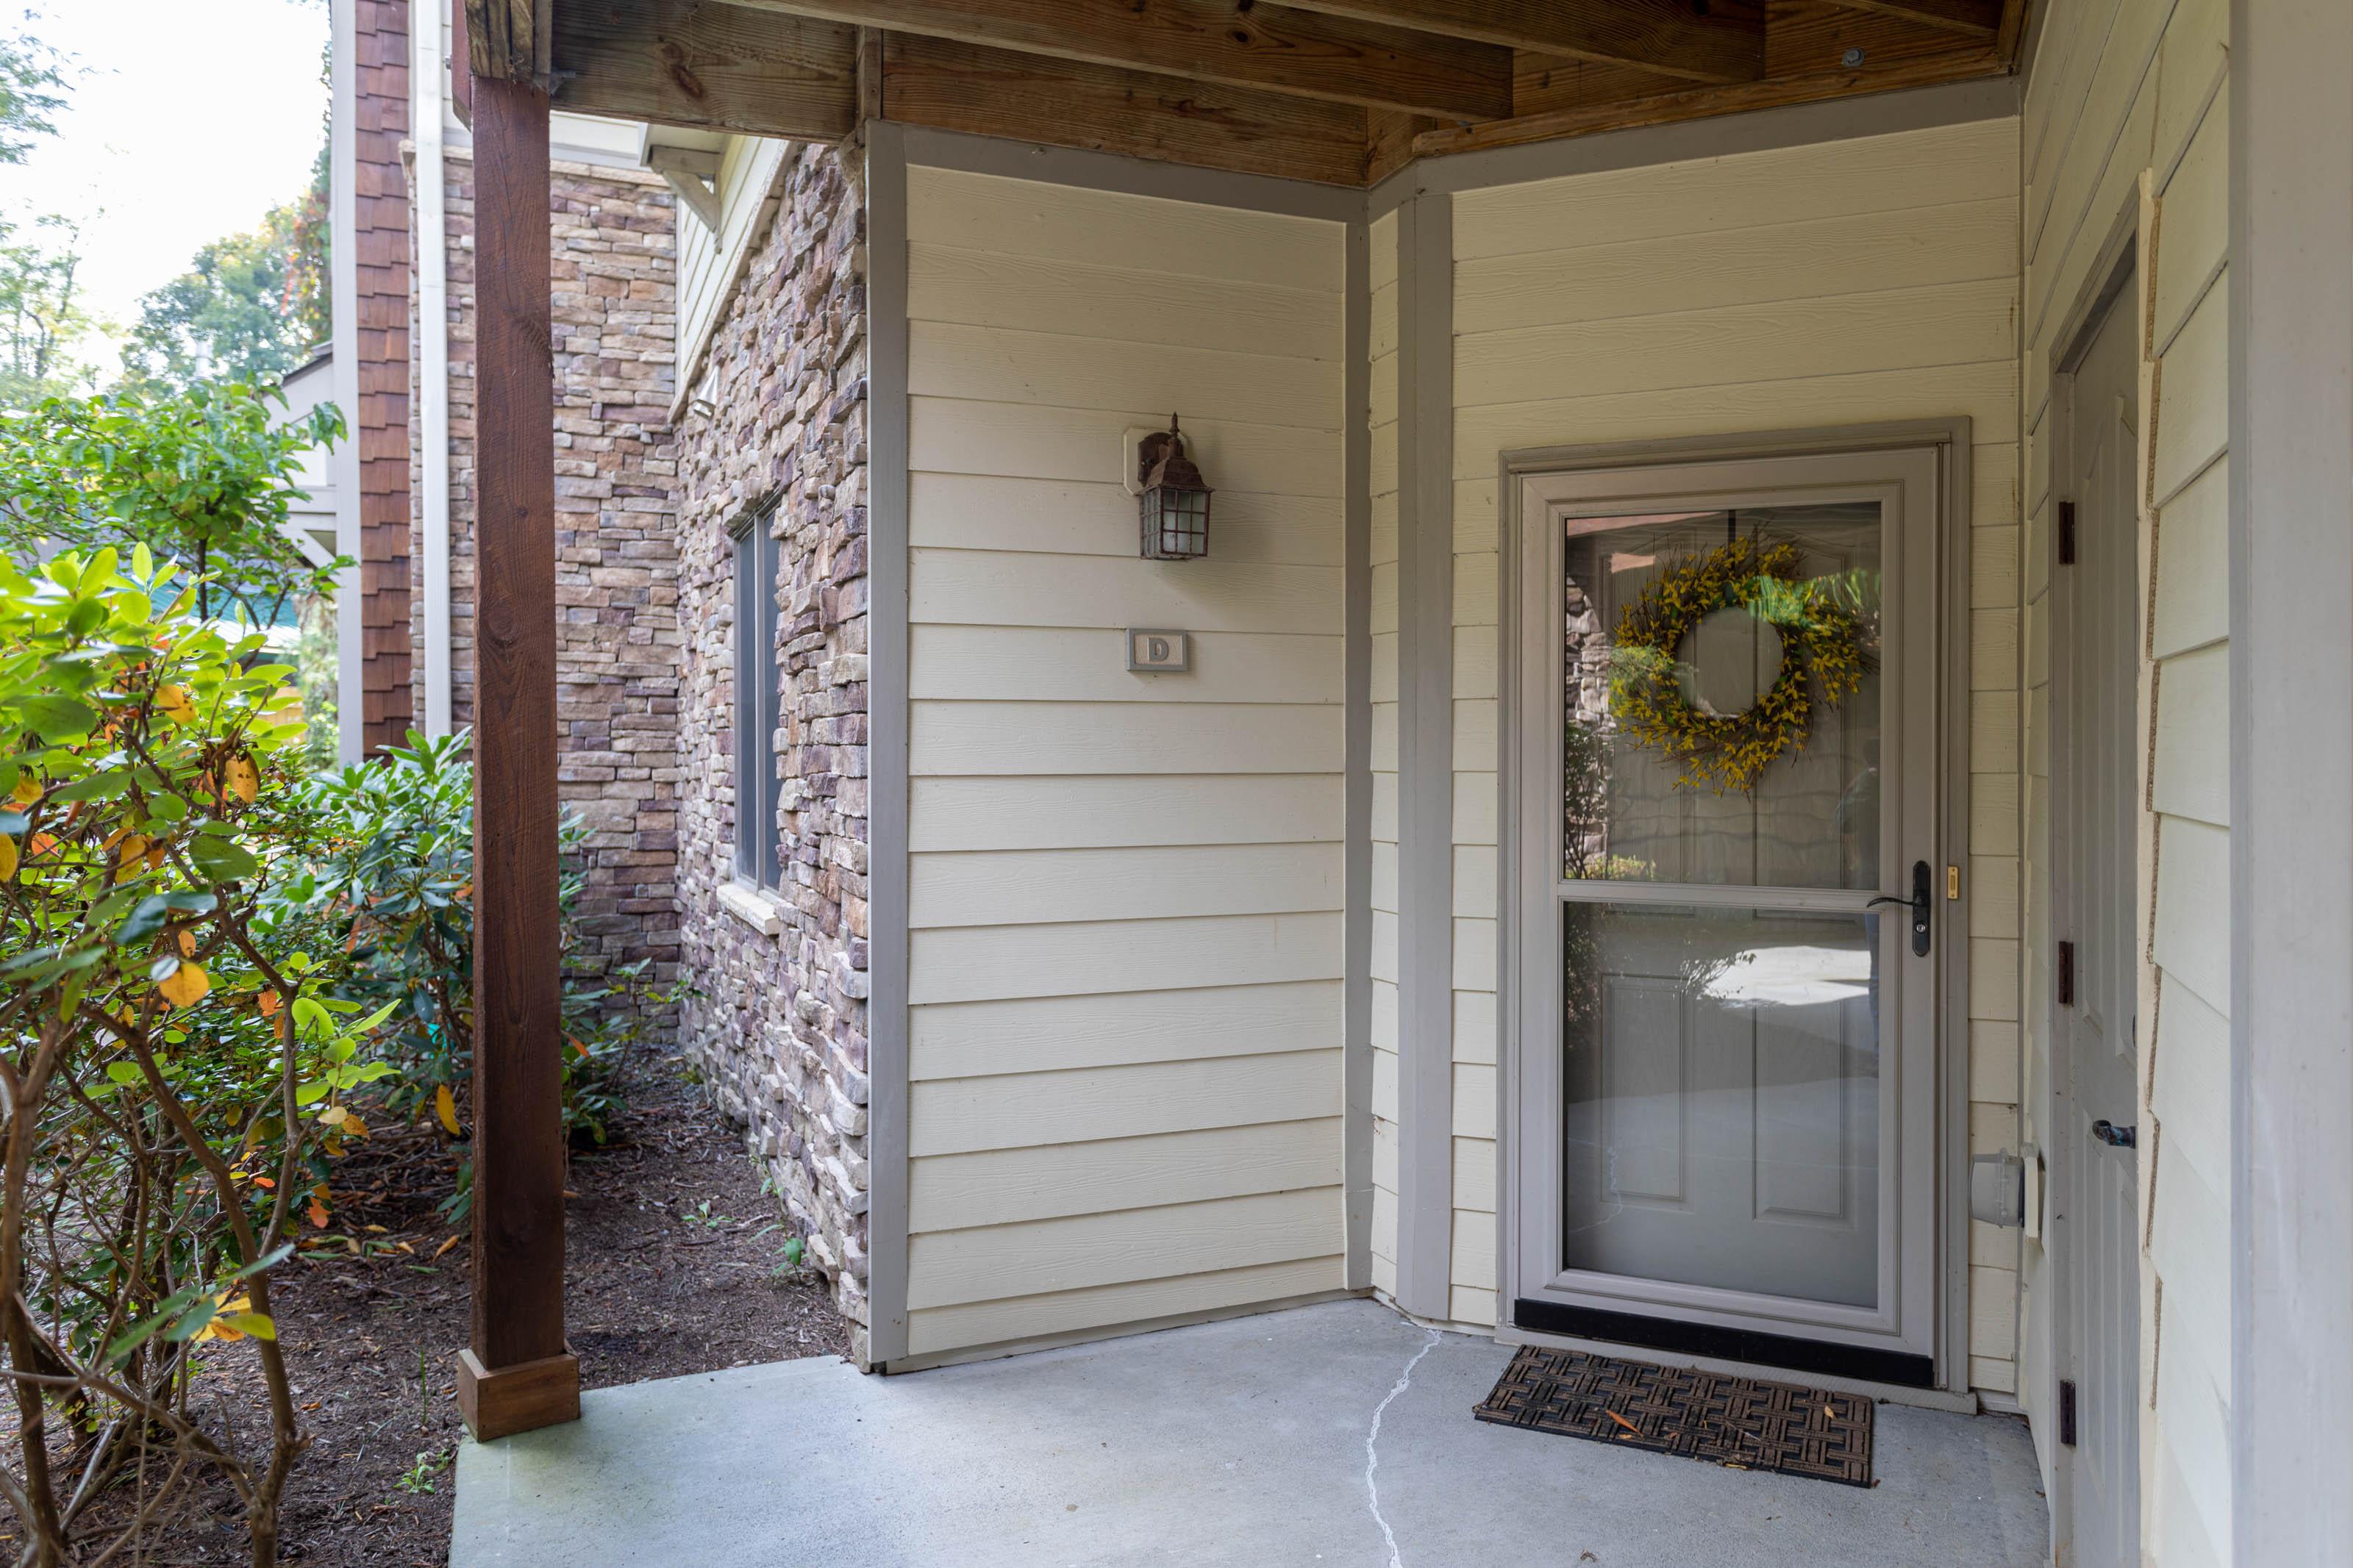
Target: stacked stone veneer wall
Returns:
[[777, 1022], [613, 272]]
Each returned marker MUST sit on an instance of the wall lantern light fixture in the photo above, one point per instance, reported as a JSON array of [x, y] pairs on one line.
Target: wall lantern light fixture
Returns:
[[1173, 505]]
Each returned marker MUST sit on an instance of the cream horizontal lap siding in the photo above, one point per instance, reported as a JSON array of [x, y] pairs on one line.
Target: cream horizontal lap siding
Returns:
[[1125, 891], [710, 261], [2128, 101], [1844, 282]]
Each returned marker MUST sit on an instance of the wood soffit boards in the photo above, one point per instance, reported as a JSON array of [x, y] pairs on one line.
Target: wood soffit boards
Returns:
[[1338, 92]]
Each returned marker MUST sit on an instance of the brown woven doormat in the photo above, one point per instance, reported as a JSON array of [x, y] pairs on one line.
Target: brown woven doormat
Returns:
[[1711, 1415]]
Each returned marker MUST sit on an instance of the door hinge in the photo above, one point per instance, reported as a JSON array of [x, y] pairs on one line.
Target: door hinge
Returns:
[[2067, 1412], [2066, 975], [2066, 533]]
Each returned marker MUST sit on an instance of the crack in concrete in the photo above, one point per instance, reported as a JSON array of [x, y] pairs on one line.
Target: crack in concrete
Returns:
[[1372, 1455]]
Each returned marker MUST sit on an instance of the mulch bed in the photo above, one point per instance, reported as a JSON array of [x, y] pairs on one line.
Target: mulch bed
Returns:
[[673, 1259]]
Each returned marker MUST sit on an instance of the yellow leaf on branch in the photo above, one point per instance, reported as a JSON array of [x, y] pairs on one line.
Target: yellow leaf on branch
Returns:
[[7, 858], [186, 986], [188, 943], [235, 1319], [444, 1106], [29, 790], [244, 779], [173, 701]]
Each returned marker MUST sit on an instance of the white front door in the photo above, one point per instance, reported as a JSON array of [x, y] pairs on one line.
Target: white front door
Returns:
[[2097, 1244], [1726, 1067]]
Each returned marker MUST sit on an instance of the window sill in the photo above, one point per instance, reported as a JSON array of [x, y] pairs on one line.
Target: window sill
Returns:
[[754, 907]]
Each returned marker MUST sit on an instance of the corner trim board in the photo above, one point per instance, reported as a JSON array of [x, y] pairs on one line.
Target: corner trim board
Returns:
[[887, 892], [2291, 672], [1356, 996], [1425, 1241]]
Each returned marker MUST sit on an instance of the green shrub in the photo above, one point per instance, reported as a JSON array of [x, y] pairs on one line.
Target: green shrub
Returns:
[[177, 1062], [394, 887]]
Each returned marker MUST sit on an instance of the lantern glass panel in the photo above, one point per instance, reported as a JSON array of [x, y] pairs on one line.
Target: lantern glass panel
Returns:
[[1175, 523]]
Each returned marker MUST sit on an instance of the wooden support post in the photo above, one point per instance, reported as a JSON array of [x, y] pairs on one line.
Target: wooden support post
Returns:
[[518, 1374]]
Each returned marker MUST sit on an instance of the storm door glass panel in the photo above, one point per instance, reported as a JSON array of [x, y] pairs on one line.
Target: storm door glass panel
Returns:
[[1721, 1071], [1633, 808], [1722, 1110]]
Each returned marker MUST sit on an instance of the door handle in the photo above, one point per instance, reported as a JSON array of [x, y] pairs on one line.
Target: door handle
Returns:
[[2115, 1137], [1919, 903]]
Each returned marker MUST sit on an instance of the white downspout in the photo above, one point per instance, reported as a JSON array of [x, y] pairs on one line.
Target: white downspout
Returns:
[[344, 461], [428, 80]]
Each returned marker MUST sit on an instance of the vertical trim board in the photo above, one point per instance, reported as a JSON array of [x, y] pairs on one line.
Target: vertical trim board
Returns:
[[1425, 760], [1356, 959], [2291, 541], [887, 566]]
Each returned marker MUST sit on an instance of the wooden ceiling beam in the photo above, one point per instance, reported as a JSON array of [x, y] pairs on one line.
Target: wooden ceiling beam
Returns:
[[1275, 47], [1027, 98], [2013, 27], [1961, 64], [1692, 39], [1980, 19], [704, 65]]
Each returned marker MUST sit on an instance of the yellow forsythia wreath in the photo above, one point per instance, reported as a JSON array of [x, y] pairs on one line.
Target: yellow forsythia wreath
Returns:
[[1822, 641]]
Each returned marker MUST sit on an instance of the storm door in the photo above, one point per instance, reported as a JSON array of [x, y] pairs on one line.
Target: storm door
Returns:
[[1722, 753]]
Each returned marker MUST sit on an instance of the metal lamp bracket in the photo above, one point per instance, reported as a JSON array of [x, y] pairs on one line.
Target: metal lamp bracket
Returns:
[[1131, 456], [1132, 464]]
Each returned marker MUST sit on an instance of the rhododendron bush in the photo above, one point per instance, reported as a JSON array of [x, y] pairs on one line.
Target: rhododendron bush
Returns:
[[176, 1070]]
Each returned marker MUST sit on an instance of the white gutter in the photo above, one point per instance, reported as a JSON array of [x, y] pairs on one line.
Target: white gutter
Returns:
[[427, 82]]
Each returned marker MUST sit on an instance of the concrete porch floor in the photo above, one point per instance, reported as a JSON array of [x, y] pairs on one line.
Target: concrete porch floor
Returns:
[[1246, 1441]]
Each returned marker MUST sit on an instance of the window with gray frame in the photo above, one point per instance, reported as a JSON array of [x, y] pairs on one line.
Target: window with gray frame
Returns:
[[759, 792]]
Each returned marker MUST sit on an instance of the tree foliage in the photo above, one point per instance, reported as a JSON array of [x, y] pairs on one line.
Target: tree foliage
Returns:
[[201, 475], [42, 316], [32, 87], [235, 314]]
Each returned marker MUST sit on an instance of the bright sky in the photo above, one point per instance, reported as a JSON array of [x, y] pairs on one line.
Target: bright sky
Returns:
[[191, 119]]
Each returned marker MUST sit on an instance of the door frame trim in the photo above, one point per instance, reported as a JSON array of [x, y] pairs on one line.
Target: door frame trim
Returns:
[[1952, 439]]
